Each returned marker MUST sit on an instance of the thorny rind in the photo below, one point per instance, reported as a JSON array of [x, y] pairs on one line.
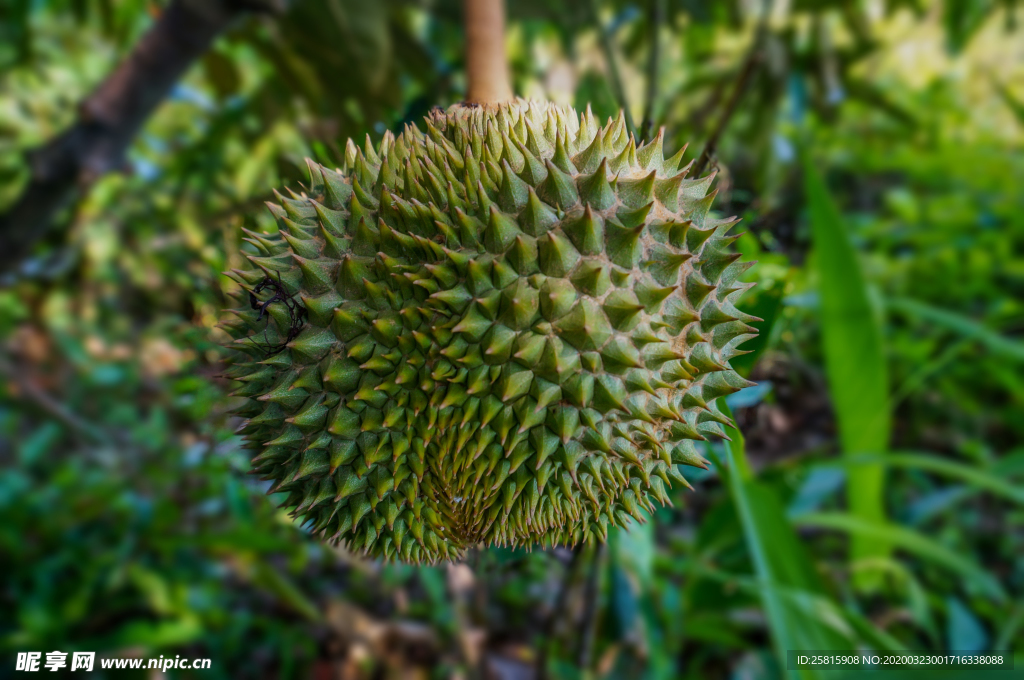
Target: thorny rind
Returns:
[[519, 324]]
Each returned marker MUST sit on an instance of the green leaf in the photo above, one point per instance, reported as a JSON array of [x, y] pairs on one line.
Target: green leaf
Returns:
[[285, 590], [595, 91], [928, 370], [157, 634], [713, 628], [876, 97], [903, 576], [854, 359], [978, 478], [787, 580], [222, 73], [962, 19], [1009, 629], [39, 443], [1013, 103], [843, 621], [1008, 349], [910, 541], [964, 631], [630, 565]]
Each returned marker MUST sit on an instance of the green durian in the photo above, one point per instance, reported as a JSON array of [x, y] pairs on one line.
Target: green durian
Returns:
[[508, 328]]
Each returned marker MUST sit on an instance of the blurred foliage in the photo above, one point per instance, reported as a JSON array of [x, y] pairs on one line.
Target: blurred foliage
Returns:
[[130, 528]]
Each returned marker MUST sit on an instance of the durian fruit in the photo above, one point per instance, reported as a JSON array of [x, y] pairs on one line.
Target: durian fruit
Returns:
[[510, 328]]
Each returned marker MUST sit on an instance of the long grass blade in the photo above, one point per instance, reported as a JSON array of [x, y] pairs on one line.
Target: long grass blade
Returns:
[[973, 476], [999, 345], [843, 621], [781, 563], [910, 541], [854, 360]]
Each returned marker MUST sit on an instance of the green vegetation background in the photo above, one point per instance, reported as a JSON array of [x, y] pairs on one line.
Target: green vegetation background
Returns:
[[875, 156]]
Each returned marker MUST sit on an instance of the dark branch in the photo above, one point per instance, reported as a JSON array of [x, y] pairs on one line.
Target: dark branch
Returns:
[[656, 17], [613, 65], [699, 117], [557, 608], [110, 118], [30, 392], [588, 627], [750, 64]]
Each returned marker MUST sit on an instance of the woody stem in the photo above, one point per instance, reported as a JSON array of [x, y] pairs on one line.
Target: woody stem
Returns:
[[486, 64]]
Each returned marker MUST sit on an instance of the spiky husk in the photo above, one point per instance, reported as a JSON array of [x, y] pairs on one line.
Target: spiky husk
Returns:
[[517, 325]]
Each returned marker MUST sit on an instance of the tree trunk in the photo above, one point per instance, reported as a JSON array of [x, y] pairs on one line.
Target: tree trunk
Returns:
[[110, 118]]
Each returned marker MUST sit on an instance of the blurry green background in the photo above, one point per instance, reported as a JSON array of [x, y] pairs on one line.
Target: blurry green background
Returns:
[[875, 156]]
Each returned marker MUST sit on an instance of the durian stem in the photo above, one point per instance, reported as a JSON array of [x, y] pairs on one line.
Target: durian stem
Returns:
[[486, 64]]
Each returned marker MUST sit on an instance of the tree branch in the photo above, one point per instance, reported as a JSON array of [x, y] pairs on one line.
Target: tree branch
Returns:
[[486, 64], [33, 394], [548, 630], [750, 63], [656, 17], [588, 627], [110, 118], [613, 64], [699, 117]]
